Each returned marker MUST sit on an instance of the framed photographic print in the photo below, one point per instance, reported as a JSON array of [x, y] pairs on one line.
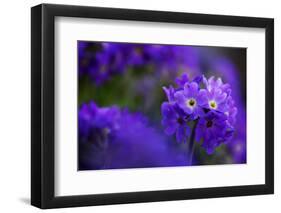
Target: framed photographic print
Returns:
[[139, 106]]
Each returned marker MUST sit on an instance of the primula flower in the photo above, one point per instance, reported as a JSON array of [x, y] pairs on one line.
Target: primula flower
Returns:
[[170, 93], [214, 129], [231, 110], [212, 84], [206, 105], [174, 122], [182, 80], [215, 94], [190, 99], [218, 97], [215, 100]]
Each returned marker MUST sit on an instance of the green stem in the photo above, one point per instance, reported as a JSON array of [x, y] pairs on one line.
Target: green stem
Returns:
[[191, 145]]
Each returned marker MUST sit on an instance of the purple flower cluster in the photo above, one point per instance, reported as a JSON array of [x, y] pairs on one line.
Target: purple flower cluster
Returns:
[[110, 137], [203, 107], [97, 123], [115, 58]]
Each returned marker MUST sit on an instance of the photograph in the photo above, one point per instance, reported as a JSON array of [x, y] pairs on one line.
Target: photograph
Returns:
[[143, 105]]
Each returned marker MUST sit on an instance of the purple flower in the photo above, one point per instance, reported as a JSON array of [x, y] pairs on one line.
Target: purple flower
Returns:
[[170, 93], [138, 144], [110, 137], [83, 57], [190, 99], [212, 84], [218, 97], [103, 60], [182, 80], [231, 110], [214, 129], [104, 120], [97, 127], [209, 110], [214, 100], [108, 62], [174, 122]]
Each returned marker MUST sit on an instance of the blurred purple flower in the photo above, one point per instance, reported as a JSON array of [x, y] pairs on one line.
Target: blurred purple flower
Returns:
[[110, 137], [83, 56], [96, 128], [114, 58], [90, 116]]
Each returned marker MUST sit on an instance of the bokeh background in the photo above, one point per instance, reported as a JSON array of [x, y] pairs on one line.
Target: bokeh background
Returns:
[[131, 77]]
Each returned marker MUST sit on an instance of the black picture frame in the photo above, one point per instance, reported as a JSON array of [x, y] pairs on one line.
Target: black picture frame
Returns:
[[43, 102]]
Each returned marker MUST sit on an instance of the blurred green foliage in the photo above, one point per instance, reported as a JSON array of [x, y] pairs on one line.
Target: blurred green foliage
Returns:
[[136, 89]]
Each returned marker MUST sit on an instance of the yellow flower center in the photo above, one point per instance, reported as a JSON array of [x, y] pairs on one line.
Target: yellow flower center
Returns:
[[191, 102], [213, 104]]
